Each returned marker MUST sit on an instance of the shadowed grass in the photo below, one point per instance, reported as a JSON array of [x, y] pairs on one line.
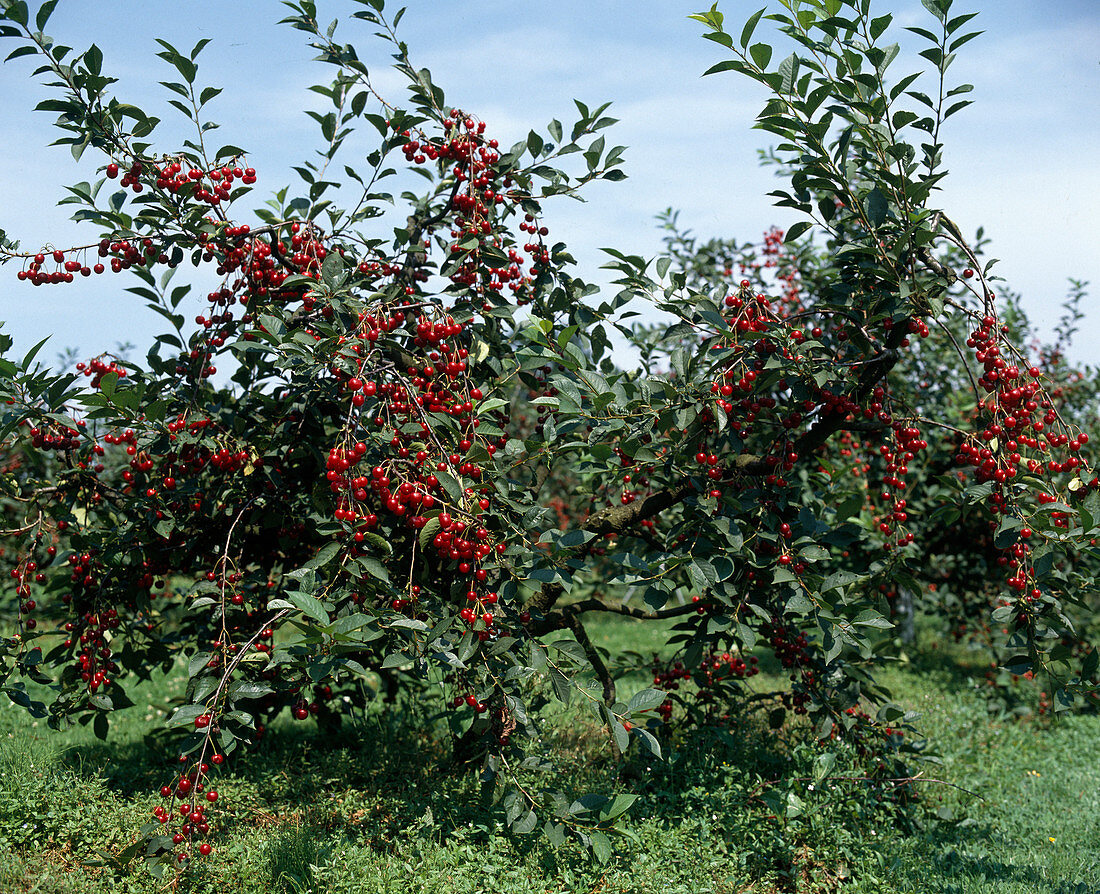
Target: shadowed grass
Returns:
[[368, 808]]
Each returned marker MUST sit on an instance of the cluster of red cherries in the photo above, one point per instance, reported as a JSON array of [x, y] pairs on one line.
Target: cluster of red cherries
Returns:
[[98, 367], [185, 801]]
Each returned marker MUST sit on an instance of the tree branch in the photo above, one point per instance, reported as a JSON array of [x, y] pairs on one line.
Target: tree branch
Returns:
[[616, 519], [562, 618], [601, 671]]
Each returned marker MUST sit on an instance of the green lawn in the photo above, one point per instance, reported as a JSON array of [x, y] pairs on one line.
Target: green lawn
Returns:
[[370, 809]]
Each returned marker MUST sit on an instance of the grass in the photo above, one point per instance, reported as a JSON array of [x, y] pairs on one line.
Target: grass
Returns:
[[368, 809]]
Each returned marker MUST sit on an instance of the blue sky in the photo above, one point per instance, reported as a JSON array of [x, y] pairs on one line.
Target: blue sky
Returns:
[[1023, 158]]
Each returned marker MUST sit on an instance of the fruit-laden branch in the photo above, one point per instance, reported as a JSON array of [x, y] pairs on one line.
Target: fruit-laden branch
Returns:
[[418, 224], [561, 618], [620, 519], [617, 519]]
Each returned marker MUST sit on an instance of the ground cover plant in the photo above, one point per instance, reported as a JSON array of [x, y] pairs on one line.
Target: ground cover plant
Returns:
[[362, 813], [421, 478]]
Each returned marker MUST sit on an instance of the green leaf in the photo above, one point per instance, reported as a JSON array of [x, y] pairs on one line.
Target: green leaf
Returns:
[[813, 553], [563, 687], [646, 700], [877, 207], [618, 805], [955, 107], [17, 12], [198, 663], [618, 731], [526, 825], [782, 575], [650, 742], [797, 229], [555, 834], [1089, 665], [374, 568], [839, 579], [93, 58], [799, 604], [185, 715], [726, 65], [450, 484], [228, 152], [325, 555], [248, 690], [534, 143], [871, 618], [33, 352], [824, 765], [934, 7], [601, 846], [750, 27], [788, 74], [491, 404], [20, 51], [761, 54], [309, 605], [44, 13], [879, 25]]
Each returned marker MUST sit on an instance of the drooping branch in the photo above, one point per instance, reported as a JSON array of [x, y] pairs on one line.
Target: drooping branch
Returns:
[[594, 658], [619, 519], [616, 519], [872, 372], [612, 520], [562, 618]]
